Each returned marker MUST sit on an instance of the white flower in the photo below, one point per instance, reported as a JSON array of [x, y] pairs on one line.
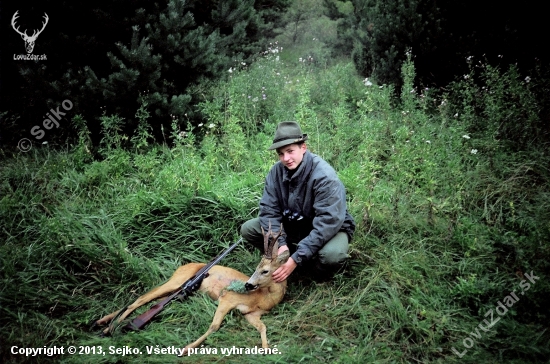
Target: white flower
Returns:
[[456, 115], [527, 79], [278, 74], [201, 124], [367, 82], [466, 136], [230, 70], [300, 59], [244, 64], [473, 151], [277, 58], [211, 125], [427, 141]]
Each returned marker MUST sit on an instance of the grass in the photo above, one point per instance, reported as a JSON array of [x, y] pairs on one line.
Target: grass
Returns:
[[442, 234]]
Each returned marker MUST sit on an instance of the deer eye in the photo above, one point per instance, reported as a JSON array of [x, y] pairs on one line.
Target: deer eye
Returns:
[[264, 272]]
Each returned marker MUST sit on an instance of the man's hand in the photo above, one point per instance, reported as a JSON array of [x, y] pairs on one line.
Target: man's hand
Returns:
[[284, 270]]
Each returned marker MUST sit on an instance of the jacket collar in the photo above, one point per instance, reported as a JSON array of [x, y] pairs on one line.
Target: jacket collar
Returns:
[[303, 169]]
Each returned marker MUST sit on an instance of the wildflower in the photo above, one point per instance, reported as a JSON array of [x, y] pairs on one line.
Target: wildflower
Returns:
[[263, 97], [244, 64], [182, 134], [428, 142], [473, 151], [249, 96], [230, 70], [201, 124], [277, 58], [300, 59], [211, 125], [466, 136], [255, 99], [527, 79], [278, 74], [367, 82], [466, 77], [456, 115]]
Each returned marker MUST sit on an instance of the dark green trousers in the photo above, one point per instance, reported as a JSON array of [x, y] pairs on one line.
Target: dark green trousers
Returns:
[[331, 256]]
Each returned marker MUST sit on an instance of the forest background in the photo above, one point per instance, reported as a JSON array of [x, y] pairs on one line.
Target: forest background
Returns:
[[434, 113]]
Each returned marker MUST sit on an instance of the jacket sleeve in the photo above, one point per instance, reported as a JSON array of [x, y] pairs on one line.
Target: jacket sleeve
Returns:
[[269, 206], [330, 213]]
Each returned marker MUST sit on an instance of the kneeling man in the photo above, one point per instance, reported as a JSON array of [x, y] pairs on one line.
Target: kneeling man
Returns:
[[303, 192]]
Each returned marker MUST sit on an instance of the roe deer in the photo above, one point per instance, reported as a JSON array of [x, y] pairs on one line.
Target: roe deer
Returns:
[[262, 293]]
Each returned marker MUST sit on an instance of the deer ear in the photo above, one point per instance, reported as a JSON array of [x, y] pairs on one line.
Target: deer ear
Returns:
[[283, 257]]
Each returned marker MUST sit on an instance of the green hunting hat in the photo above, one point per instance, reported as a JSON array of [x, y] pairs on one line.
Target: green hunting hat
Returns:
[[288, 132]]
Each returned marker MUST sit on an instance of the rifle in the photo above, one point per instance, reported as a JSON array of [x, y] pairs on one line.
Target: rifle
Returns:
[[187, 289]]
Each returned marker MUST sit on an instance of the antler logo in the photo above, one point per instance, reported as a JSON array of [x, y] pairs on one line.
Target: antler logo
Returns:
[[29, 41]]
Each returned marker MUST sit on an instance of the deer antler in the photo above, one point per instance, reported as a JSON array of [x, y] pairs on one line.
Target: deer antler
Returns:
[[269, 246], [25, 35], [15, 16], [43, 26]]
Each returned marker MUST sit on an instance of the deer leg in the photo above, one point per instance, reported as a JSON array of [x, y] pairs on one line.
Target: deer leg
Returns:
[[254, 318], [221, 311], [181, 275]]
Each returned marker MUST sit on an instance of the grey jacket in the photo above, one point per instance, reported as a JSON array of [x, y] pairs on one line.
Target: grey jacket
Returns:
[[316, 193]]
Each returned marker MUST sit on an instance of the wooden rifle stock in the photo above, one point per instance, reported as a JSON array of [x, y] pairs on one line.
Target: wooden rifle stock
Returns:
[[144, 318], [190, 286]]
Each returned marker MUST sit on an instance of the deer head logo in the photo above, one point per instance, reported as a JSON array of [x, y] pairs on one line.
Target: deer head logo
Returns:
[[29, 41]]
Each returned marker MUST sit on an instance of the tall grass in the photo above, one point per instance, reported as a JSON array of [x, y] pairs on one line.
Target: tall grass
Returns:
[[443, 232]]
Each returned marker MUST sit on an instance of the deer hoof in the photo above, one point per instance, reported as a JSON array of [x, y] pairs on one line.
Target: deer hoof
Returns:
[[183, 352], [93, 324]]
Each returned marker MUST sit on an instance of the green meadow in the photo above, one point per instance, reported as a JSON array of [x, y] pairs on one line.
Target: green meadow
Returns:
[[449, 190]]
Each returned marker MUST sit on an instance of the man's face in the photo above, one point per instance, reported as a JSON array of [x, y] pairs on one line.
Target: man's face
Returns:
[[291, 155]]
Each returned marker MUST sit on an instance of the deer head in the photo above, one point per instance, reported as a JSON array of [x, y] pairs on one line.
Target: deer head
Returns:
[[262, 277], [29, 41]]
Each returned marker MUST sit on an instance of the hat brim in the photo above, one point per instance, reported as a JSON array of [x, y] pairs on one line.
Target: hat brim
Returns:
[[282, 143]]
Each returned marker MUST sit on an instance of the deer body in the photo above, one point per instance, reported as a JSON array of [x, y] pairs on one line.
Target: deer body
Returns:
[[262, 292]]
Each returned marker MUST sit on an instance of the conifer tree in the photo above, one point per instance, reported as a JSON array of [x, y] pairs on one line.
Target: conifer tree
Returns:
[[384, 30]]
